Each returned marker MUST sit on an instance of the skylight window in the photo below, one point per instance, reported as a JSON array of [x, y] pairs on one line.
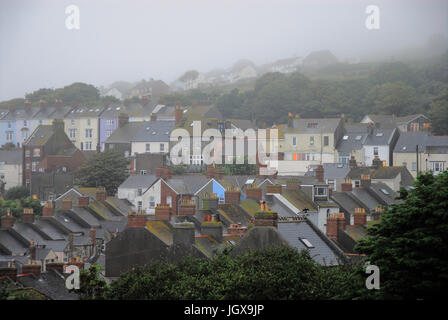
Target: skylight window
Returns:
[[250, 181], [384, 191], [306, 243], [379, 134], [358, 138], [345, 138]]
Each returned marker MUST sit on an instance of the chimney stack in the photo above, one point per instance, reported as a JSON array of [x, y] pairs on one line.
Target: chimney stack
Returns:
[[32, 268], [178, 113], [365, 180], [28, 215], [153, 117], [48, 210], [274, 188], [335, 221], [10, 271], [210, 202], [377, 163], [145, 101], [232, 195], [163, 212], [214, 172], [27, 105], [136, 220], [83, 201], [67, 204], [213, 229], [187, 207], [123, 119], [352, 162], [7, 219], [360, 217], [320, 173], [92, 235], [183, 233], [290, 120], [347, 185], [101, 194], [58, 125], [163, 172], [33, 249], [58, 104], [254, 193]]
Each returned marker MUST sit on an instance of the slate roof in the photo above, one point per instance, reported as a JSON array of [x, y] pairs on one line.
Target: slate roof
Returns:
[[126, 133], [391, 119], [40, 136], [321, 252], [50, 229], [135, 181], [388, 196], [354, 141], [19, 114], [365, 198], [84, 112], [243, 124], [154, 131], [29, 233], [408, 140], [327, 125], [346, 202], [332, 170], [11, 156], [11, 244], [188, 184], [50, 283], [357, 172], [380, 137]]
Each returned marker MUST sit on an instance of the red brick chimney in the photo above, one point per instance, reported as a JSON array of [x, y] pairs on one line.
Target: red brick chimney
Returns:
[[274, 188], [254, 193], [33, 249], [58, 104], [83, 201], [58, 266], [28, 215], [178, 114], [360, 217], [136, 221], [187, 207], [163, 172], [213, 172], [365, 180], [123, 119], [67, 204], [232, 195], [9, 271], [32, 268], [11, 108], [347, 185], [27, 105], [335, 221], [320, 173], [163, 212], [7, 219], [352, 162], [48, 210], [101, 194], [237, 229], [92, 235]]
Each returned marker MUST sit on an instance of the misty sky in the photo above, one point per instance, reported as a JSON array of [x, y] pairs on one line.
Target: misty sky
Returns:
[[135, 39]]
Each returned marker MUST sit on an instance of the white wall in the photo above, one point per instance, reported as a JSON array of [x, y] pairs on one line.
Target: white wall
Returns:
[[294, 167], [383, 154], [154, 147], [154, 191], [12, 174]]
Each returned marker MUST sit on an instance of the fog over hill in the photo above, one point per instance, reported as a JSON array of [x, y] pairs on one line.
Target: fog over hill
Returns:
[[134, 40]]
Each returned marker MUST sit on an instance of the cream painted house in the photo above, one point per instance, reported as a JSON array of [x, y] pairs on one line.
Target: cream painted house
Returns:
[[81, 125], [308, 142], [11, 168], [431, 153]]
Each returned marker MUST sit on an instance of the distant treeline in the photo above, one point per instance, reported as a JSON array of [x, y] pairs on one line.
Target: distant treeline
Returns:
[[388, 88]]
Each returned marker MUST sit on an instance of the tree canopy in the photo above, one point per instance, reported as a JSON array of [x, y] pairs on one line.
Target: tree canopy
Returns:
[[410, 244], [106, 169]]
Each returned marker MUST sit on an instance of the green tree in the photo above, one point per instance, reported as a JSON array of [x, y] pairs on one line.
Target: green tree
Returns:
[[277, 273], [410, 244], [106, 169], [16, 193], [92, 286], [439, 114], [392, 98]]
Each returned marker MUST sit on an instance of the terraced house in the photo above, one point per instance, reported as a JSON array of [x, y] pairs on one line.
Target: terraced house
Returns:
[[17, 124], [83, 128], [309, 141]]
